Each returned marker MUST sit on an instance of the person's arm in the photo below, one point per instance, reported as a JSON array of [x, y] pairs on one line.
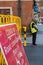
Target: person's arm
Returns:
[[35, 27]]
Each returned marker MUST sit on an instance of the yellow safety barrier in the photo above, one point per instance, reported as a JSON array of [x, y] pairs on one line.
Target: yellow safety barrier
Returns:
[[18, 22], [7, 19], [2, 60]]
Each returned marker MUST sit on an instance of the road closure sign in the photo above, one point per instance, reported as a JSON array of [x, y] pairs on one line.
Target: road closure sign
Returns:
[[12, 45]]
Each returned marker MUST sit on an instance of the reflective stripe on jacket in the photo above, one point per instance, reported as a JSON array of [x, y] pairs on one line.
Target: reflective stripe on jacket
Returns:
[[33, 30]]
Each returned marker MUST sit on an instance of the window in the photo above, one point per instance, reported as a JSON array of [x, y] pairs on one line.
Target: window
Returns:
[[5, 11], [37, 0]]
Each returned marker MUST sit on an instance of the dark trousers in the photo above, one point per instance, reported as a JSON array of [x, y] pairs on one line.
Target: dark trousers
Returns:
[[34, 38]]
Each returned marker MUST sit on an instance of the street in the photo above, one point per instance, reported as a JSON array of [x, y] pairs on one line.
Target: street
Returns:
[[34, 54]]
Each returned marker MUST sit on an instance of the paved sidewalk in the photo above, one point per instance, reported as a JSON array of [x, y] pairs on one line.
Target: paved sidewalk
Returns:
[[39, 39], [34, 54]]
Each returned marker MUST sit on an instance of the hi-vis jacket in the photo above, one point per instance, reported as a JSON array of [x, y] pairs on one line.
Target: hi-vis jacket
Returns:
[[33, 30]]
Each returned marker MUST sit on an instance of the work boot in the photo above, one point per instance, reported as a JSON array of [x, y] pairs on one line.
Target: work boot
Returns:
[[35, 44]]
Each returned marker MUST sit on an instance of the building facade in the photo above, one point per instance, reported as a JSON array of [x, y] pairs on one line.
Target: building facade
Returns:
[[12, 7]]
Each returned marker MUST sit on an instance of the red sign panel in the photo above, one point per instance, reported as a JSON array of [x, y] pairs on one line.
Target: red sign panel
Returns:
[[12, 45]]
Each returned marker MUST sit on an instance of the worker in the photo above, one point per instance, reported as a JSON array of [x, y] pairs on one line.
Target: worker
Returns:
[[34, 30]]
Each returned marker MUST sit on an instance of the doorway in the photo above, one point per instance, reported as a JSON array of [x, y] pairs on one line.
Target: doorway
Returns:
[[40, 28]]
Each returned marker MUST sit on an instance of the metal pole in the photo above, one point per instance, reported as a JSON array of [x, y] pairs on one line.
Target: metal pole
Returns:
[[25, 43], [34, 3], [19, 8]]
